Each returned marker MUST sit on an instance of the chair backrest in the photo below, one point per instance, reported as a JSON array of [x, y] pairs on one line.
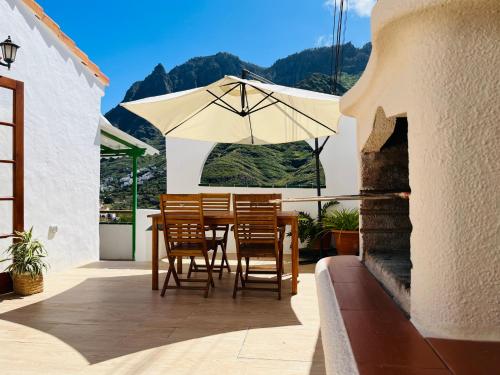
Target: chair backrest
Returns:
[[270, 197], [216, 201], [279, 206], [182, 218], [255, 219]]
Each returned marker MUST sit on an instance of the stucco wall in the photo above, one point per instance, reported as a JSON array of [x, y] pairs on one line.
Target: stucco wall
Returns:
[[62, 107], [115, 241], [437, 61], [185, 161]]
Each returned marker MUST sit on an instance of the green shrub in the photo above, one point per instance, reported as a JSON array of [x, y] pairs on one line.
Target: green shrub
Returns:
[[344, 219], [310, 228]]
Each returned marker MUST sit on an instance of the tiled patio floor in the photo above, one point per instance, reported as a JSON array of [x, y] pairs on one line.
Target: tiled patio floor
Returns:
[[105, 319]]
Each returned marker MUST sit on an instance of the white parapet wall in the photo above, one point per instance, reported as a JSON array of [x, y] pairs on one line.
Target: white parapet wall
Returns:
[[144, 238], [115, 241]]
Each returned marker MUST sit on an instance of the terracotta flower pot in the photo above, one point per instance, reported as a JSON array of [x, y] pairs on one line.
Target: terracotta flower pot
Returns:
[[346, 242], [326, 241], [25, 285]]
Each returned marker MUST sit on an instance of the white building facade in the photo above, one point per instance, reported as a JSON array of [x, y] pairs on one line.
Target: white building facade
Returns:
[[62, 99]]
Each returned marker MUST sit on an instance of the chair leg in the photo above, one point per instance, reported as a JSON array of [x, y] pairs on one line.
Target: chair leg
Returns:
[[214, 255], [210, 280], [165, 284], [225, 257], [279, 267], [171, 271], [238, 275], [221, 270], [171, 261], [247, 262], [195, 266], [281, 252], [191, 265]]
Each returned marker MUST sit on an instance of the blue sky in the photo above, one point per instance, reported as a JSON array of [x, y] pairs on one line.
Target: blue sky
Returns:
[[127, 38]]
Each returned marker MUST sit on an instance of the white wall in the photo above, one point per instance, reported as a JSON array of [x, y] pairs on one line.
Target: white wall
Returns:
[[185, 161], [436, 61], [115, 241], [62, 107], [144, 240]]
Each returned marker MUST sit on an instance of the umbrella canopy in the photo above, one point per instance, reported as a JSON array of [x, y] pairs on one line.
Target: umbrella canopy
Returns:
[[236, 110]]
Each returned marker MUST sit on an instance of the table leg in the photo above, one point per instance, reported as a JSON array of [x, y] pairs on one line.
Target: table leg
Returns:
[[154, 255], [179, 265], [295, 255]]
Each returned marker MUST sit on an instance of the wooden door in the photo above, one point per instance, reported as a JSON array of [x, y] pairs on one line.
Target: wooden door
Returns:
[[11, 164]]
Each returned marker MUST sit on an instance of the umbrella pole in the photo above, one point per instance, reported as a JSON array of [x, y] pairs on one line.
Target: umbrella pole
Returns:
[[305, 259], [318, 191]]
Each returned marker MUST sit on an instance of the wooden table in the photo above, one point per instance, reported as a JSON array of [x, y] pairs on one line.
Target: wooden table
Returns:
[[227, 218]]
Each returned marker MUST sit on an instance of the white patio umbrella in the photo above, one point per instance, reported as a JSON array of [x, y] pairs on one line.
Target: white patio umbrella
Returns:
[[237, 110]]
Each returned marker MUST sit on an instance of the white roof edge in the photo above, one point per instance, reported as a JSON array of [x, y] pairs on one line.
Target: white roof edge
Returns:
[[105, 125]]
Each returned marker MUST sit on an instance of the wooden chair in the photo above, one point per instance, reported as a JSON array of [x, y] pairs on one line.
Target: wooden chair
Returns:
[[257, 235], [184, 234], [218, 233], [281, 231]]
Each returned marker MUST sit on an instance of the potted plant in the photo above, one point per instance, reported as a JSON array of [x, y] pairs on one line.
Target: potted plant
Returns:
[[311, 230], [344, 224], [26, 269]]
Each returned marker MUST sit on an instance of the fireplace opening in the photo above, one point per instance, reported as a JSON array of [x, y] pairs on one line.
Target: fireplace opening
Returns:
[[385, 224]]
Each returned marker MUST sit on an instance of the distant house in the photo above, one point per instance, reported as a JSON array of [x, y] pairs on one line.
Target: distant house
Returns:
[[62, 98]]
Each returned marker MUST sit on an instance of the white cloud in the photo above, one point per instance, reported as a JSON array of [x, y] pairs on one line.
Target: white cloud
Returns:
[[324, 41], [362, 8]]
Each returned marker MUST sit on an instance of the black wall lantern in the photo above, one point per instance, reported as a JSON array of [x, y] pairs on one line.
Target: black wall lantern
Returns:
[[9, 52]]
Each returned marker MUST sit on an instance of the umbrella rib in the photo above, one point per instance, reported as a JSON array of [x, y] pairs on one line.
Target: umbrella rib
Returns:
[[304, 114], [264, 98], [189, 118], [231, 83], [267, 105], [294, 109], [200, 110], [231, 108]]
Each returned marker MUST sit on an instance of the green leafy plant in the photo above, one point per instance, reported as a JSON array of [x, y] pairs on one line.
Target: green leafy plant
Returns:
[[310, 228], [344, 219], [26, 255]]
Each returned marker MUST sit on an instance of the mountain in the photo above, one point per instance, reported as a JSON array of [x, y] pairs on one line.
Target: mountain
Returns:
[[196, 72], [228, 164], [283, 165]]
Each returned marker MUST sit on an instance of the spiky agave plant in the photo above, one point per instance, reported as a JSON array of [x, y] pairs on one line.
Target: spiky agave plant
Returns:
[[26, 255]]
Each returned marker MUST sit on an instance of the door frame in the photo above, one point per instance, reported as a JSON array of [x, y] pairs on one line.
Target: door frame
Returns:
[[17, 163]]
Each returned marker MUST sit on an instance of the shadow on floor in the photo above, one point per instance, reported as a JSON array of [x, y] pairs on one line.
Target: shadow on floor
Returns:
[[108, 317], [318, 361]]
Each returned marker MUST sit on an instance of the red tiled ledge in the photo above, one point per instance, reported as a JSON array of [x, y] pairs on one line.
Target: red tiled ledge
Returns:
[[365, 333]]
